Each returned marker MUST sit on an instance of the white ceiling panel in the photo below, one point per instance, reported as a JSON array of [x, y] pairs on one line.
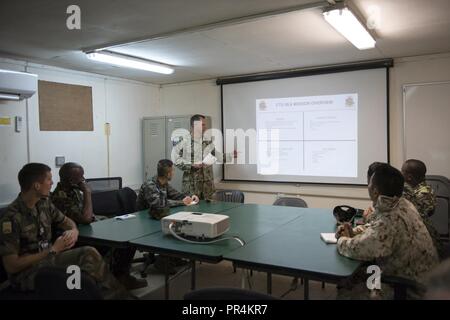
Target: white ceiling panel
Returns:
[[35, 31]]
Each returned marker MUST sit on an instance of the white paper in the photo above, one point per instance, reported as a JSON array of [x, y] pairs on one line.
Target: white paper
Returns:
[[125, 217], [328, 237], [209, 159], [193, 203]]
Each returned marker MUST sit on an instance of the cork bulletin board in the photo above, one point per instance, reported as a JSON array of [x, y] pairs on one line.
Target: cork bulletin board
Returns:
[[65, 107]]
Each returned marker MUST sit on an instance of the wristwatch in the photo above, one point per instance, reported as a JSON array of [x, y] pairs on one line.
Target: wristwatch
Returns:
[[52, 252]]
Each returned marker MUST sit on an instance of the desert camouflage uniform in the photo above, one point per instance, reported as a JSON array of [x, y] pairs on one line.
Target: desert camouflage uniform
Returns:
[[158, 198], [29, 231], [196, 181], [423, 198], [395, 239]]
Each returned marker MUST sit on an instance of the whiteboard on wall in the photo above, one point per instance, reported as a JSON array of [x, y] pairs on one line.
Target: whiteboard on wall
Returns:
[[426, 111]]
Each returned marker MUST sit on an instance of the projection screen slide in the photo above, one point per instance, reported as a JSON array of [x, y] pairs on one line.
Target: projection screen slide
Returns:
[[325, 128]]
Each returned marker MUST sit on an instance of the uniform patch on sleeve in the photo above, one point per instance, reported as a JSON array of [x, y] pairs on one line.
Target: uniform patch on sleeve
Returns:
[[6, 227]]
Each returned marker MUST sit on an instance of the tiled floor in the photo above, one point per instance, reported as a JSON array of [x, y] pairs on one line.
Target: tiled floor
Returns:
[[221, 275]]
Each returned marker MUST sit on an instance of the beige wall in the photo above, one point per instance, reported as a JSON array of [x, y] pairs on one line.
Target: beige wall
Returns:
[[204, 97], [120, 102], [411, 70]]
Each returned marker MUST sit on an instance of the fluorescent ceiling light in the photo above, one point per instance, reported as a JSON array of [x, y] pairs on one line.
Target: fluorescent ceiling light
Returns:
[[346, 23], [8, 96], [129, 62]]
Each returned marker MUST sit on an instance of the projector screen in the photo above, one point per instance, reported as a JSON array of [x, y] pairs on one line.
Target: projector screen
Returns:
[[325, 128]]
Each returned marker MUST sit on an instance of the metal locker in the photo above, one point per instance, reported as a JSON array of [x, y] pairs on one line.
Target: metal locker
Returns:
[[154, 140]]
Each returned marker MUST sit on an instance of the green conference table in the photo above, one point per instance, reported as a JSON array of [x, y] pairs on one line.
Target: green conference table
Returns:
[[121, 233], [247, 221], [284, 240], [118, 233], [296, 249]]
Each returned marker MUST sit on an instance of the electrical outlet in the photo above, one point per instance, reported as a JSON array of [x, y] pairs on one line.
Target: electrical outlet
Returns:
[[18, 121], [59, 161]]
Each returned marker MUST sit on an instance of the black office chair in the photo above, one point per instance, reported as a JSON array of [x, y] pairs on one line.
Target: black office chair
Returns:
[[445, 250], [290, 202], [402, 286], [127, 200], [230, 196], [440, 218], [51, 284], [104, 184], [106, 203], [226, 294]]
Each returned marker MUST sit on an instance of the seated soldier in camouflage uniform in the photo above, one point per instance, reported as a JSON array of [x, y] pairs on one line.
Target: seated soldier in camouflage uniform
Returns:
[[72, 196], [26, 236], [367, 213], [158, 196], [395, 238], [421, 195]]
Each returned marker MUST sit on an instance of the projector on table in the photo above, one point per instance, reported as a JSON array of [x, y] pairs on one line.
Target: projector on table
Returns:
[[196, 224]]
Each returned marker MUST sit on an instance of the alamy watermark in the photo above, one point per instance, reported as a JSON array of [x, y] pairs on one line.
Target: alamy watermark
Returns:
[[73, 281], [242, 146], [374, 280], [73, 21]]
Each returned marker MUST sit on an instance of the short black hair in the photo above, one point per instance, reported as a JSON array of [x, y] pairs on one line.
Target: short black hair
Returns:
[[163, 167], [65, 170], [196, 117], [388, 180], [372, 169], [416, 168], [31, 173]]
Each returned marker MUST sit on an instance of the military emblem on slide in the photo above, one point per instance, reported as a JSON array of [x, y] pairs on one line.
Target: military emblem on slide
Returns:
[[349, 102], [262, 106]]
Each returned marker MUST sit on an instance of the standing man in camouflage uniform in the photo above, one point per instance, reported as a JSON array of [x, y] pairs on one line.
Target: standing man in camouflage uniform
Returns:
[[188, 156], [26, 235], [395, 239], [159, 196], [421, 195], [72, 196]]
